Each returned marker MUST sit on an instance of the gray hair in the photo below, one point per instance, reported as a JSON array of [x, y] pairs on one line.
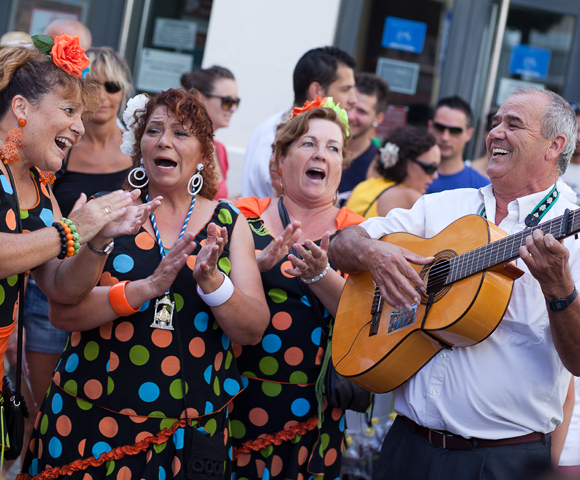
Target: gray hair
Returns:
[[557, 118]]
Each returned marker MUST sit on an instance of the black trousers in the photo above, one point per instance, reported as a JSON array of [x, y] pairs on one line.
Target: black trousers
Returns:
[[408, 455]]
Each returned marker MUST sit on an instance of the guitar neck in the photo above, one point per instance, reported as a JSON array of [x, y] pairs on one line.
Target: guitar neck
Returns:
[[507, 249]]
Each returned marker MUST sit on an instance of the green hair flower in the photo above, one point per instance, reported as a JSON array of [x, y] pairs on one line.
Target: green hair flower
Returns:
[[341, 112]]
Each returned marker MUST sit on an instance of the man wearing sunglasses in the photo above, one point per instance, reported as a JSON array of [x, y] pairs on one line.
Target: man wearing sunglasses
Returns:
[[452, 128]]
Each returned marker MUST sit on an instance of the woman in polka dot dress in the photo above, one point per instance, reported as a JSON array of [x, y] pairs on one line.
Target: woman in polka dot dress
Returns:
[[275, 428], [116, 407]]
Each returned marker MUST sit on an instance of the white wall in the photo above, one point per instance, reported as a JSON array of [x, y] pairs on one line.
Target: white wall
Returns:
[[260, 41]]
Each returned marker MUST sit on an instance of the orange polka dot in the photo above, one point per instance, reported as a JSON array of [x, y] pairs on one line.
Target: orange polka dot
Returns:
[[218, 361], [243, 459], [197, 347], [142, 436], [11, 220], [63, 426], [108, 280], [191, 413], [226, 434], [124, 474], [258, 416], [293, 356], [330, 457], [37, 420], [300, 477], [170, 366], [202, 243], [276, 466], [144, 241], [31, 444], [237, 349], [124, 331], [302, 455], [319, 356], [106, 330], [337, 413], [191, 261], [161, 338], [282, 321], [87, 476], [260, 466], [113, 362], [93, 389], [40, 448], [108, 427], [287, 264], [75, 338], [44, 190], [56, 378], [133, 415], [290, 424], [149, 455], [175, 466]]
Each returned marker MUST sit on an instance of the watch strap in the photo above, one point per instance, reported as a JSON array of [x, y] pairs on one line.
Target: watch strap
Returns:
[[108, 249], [560, 304]]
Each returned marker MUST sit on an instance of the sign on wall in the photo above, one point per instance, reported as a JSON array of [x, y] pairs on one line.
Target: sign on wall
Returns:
[[401, 76], [402, 34], [530, 61], [160, 69]]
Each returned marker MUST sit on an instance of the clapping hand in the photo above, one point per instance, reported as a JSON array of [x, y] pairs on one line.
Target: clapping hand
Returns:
[[279, 247], [207, 258], [314, 258]]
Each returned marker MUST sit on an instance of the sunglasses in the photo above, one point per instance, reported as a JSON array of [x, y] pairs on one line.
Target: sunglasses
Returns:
[[112, 87], [440, 128], [428, 168], [227, 102]]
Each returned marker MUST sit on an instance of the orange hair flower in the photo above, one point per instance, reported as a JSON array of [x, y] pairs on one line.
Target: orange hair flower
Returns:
[[318, 102], [68, 54]]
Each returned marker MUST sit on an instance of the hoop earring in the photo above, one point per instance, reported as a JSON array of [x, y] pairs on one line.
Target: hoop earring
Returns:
[[196, 181], [139, 174], [9, 151], [335, 199]]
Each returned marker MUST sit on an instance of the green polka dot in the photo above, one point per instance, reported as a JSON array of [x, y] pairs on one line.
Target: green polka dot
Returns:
[[23, 214], [110, 385], [216, 386], [178, 301], [44, 424], [211, 426], [71, 387], [225, 265], [110, 467], [12, 280], [238, 430], [48, 391], [271, 389], [268, 365], [167, 423], [296, 439], [249, 374], [176, 390], [215, 325], [298, 377], [91, 351], [229, 358], [2, 295], [278, 295], [225, 217], [83, 405], [139, 355], [160, 448], [324, 441], [156, 414], [266, 452]]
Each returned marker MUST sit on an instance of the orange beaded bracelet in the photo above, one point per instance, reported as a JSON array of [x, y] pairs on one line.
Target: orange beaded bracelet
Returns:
[[118, 300]]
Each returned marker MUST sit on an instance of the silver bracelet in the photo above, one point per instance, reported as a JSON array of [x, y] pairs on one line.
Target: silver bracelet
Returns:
[[318, 277]]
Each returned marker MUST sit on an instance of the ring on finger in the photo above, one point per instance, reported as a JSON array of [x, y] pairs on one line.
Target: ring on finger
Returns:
[[107, 210], [305, 268]]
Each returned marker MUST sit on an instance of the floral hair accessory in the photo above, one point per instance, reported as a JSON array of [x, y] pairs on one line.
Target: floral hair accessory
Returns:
[[136, 104], [327, 102], [65, 52], [389, 154]]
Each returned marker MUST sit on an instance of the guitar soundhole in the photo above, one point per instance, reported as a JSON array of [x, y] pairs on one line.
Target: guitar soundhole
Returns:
[[435, 275]]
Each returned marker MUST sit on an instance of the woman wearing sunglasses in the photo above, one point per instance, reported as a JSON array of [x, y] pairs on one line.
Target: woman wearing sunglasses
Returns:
[[408, 163], [220, 95]]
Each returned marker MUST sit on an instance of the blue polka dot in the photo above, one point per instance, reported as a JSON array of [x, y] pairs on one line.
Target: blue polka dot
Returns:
[[207, 374], [162, 473], [225, 341], [208, 408], [47, 217], [341, 423], [266, 474], [316, 334], [123, 263], [326, 313], [231, 386], [271, 343], [230, 456], [245, 382], [145, 306], [33, 469], [56, 403], [305, 301], [58, 364], [6, 185], [178, 438], [72, 363], [54, 447], [234, 208], [203, 431], [300, 407], [200, 321], [148, 392], [108, 363], [99, 448]]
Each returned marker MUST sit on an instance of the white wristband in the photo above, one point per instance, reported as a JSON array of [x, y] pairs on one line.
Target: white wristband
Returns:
[[219, 296], [318, 277]]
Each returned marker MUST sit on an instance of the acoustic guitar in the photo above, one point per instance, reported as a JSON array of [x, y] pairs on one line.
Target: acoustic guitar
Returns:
[[469, 285]]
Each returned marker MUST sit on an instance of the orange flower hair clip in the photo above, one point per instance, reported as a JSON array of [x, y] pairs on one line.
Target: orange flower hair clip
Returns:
[[317, 102], [66, 52], [326, 102]]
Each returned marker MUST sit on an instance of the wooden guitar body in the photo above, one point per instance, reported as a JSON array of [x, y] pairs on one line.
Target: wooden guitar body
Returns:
[[461, 314]]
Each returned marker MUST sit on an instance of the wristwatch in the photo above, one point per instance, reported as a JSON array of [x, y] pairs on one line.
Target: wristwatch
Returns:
[[108, 249], [562, 303]]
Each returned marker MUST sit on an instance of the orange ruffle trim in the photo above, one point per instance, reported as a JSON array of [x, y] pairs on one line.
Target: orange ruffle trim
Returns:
[[114, 454], [277, 438]]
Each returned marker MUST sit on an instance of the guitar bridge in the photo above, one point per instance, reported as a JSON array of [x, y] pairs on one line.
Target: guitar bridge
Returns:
[[376, 312]]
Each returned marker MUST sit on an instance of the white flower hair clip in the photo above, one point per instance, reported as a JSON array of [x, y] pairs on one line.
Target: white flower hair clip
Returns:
[[138, 102], [389, 154]]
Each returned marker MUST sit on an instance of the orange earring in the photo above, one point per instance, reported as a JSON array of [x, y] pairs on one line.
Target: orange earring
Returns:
[[280, 171], [22, 122], [9, 151], [47, 176]]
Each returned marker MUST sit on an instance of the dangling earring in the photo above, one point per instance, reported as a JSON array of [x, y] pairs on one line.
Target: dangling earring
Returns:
[[139, 174], [335, 199], [47, 176], [14, 140], [196, 181]]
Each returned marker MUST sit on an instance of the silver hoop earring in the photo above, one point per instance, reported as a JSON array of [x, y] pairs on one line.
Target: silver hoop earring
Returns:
[[196, 181], [139, 174]]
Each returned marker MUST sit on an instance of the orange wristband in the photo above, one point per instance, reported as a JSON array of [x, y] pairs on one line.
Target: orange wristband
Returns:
[[118, 300]]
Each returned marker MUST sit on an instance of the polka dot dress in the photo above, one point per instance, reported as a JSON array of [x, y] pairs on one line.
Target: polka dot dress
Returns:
[[35, 218], [274, 420], [115, 404]]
